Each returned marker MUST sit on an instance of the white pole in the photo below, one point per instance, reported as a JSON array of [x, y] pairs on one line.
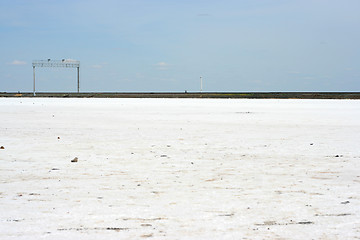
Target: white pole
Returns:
[[34, 80], [200, 84], [78, 79]]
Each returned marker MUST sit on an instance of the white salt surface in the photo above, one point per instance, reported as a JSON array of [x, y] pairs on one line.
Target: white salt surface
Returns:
[[179, 169]]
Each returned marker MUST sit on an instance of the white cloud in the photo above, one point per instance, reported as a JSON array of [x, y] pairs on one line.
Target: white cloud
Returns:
[[17, 62], [162, 65]]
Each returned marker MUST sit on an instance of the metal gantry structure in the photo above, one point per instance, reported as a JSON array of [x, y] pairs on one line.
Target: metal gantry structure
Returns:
[[65, 63]]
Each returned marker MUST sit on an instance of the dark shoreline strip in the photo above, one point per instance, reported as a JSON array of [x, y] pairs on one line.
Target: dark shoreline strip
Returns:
[[248, 95]]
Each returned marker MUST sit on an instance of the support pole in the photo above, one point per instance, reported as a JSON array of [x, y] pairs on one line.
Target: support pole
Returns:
[[200, 84], [34, 80], [78, 79]]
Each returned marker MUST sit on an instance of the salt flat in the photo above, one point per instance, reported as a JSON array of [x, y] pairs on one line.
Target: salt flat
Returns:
[[179, 169]]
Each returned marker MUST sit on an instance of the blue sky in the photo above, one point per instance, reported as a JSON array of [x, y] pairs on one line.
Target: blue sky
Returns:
[[158, 45]]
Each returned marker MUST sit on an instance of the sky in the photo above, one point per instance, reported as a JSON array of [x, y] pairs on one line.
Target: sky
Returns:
[[166, 45]]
